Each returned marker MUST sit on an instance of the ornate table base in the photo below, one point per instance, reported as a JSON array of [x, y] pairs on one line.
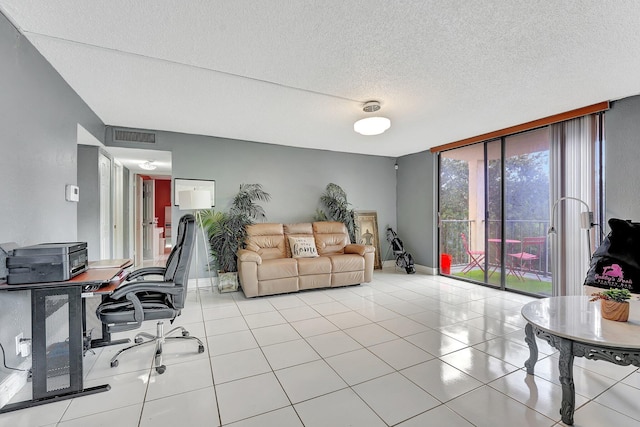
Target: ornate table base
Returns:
[[568, 350]]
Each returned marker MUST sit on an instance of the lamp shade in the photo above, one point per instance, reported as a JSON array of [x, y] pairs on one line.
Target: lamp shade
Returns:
[[195, 199], [372, 125]]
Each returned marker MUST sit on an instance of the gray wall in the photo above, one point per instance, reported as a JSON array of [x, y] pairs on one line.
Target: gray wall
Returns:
[[89, 204], [622, 156], [39, 114], [295, 177], [416, 206]]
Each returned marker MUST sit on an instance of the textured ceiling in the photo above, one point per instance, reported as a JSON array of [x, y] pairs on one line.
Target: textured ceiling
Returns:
[[297, 73]]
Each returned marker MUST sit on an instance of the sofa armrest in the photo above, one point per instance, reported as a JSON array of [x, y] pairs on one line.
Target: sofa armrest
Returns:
[[358, 249], [248, 262], [245, 255], [366, 251]]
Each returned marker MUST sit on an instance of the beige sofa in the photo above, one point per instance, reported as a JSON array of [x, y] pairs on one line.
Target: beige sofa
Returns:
[[270, 265]]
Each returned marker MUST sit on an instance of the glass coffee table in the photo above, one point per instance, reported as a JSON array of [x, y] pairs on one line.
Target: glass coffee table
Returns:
[[575, 326]]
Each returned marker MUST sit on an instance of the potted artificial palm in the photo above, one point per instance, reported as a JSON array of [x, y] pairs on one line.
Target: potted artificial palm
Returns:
[[613, 304], [336, 206], [227, 231]]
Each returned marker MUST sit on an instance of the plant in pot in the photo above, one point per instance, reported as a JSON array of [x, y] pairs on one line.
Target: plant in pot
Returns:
[[336, 207], [613, 303], [227, 231]]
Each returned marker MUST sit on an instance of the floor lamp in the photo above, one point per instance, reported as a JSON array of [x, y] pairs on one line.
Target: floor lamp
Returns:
[[586, 223], [196, 200]]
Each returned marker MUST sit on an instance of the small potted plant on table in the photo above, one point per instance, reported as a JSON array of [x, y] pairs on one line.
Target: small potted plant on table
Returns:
[[613, 304]]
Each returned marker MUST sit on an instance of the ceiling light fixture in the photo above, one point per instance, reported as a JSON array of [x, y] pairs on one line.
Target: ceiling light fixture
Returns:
[[148, 165], [374, 125]]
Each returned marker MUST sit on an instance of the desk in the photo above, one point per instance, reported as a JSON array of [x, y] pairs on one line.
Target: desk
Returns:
[[57, 365], [575, 326]]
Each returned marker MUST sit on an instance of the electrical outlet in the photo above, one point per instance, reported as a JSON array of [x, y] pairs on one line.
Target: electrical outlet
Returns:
[[18, 338], [25, 348]]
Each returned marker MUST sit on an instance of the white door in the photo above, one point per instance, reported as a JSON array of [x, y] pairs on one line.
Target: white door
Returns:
[[148, 219], [118, 211], [138, 221], [104, 166]]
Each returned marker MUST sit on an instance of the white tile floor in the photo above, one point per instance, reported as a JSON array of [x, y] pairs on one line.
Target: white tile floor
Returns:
[[404, 350]]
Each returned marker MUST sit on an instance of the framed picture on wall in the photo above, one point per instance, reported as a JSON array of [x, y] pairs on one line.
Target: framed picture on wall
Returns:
[[367, 233], [186, 184]]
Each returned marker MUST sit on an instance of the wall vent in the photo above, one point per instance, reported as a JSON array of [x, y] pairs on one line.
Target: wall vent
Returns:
[[121, 135]]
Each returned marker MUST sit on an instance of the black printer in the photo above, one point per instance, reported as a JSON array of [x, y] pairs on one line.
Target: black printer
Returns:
[[46, 262]]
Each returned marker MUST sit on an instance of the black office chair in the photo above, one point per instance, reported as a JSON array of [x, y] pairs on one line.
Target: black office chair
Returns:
[[143, 299]]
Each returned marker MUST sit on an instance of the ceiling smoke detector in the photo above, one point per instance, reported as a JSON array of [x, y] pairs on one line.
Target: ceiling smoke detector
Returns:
[[371, 107], [374, 125]]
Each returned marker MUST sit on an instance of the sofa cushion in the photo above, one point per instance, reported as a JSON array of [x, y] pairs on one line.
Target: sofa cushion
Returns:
[[314, 281], [331, 237], [347, 278], [311, 266], [303, 247], [267, 240], [277, 269], [300, 229], [278, 286], [346, 262]]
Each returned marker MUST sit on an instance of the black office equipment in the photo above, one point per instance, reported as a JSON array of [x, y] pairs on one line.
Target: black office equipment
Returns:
[[46, 262]]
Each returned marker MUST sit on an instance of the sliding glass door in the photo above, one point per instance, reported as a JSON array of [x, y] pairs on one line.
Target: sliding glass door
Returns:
[[526, 208], [462, 211], [494, 225], [497, 200], [494, 210]]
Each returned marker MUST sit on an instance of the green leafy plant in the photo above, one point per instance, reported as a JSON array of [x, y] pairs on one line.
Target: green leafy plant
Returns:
[[617, 295], [227, 230], [336, 208]]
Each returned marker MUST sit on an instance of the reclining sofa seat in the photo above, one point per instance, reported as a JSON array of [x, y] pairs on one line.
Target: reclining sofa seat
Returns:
[[266, 265]]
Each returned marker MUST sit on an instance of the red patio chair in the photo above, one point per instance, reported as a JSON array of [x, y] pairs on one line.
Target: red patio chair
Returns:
[[522, 262], [475, 257]]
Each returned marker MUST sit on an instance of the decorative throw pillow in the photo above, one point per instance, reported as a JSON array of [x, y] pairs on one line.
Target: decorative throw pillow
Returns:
[[303, 247], [616, 262]]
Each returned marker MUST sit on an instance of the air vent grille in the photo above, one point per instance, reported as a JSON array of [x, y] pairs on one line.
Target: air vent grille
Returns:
[[121, 135]]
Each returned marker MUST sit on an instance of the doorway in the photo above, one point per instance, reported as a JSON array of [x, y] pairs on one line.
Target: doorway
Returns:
[[156, 225], [145, 199]]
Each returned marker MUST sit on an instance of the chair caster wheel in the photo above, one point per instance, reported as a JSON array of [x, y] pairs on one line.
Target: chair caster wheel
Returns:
[[185, 333], [160, 369], [200, 349], [114, 364]]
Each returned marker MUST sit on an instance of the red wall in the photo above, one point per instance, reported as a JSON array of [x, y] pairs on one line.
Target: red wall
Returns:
[[163, 197]]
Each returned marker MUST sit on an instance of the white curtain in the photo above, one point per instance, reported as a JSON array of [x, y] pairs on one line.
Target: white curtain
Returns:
[[573, 174]]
